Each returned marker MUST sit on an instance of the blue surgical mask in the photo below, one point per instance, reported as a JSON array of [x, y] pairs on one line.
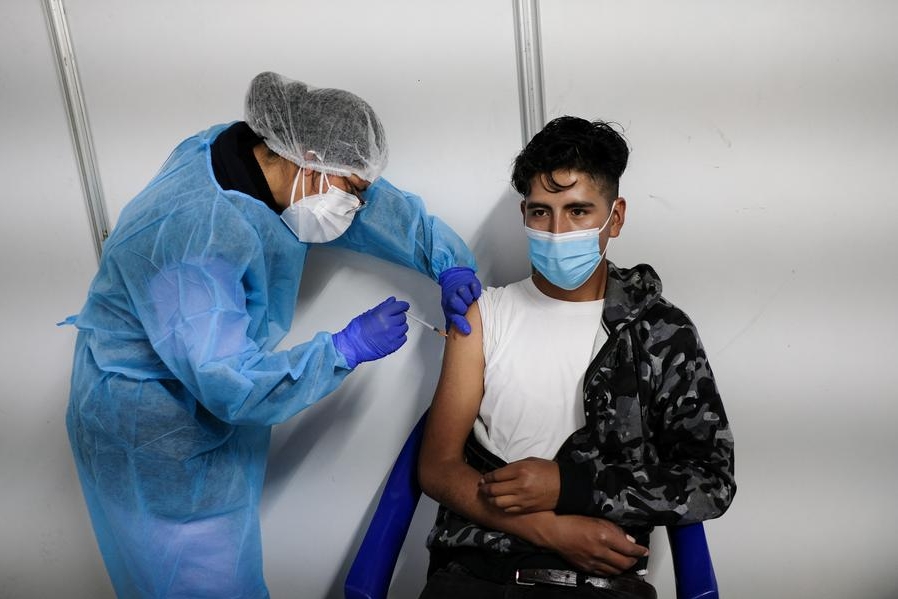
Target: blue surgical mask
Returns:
[[567, 260]]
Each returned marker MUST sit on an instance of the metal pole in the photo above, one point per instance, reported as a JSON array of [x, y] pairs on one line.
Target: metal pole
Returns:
[[78, 124], [530, 72]]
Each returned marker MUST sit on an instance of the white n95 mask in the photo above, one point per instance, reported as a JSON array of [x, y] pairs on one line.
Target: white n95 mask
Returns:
[[321, 217]]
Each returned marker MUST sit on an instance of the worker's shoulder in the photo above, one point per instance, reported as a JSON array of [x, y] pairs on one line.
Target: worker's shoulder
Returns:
[[210, 225]]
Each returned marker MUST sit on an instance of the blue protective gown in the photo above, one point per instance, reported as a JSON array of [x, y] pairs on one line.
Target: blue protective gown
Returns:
[[176, 383]]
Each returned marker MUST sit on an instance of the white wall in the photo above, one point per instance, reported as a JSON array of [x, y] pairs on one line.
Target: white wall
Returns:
[[46, 259], [761, 187]]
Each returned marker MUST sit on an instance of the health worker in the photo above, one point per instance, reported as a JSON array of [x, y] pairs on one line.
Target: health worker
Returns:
[[176, 381]]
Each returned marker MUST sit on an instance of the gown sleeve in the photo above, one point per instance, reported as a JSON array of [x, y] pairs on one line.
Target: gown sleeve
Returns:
[[394, 225], [194, 311]]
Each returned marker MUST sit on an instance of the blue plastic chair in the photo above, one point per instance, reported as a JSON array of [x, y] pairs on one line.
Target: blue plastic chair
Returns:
[[372, 570]]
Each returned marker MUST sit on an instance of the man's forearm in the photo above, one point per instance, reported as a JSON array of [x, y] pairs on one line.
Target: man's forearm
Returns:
[[591, 544], [456, 487]]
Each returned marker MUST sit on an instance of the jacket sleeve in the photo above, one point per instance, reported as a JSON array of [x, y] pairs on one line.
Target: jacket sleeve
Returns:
[[394, 225], [679, 470]]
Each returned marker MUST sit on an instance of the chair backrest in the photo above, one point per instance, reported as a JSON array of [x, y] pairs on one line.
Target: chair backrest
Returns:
[[372, 570]]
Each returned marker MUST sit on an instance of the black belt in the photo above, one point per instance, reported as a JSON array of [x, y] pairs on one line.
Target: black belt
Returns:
[[569, 578]]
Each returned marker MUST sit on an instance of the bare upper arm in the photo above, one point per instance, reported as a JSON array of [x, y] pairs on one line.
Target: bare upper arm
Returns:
[[456, 401]]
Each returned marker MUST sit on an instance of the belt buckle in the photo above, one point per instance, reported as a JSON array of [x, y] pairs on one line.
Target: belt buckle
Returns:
[[517, 580], [533, 576]]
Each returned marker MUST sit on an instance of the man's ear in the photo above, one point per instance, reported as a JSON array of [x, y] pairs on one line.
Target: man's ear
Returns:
[[524, 211], [618, 216]]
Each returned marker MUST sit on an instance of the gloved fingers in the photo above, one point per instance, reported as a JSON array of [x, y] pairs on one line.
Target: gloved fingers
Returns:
[[456, 305], [384, 305], [391, 306], [393, 314], [399, 307], [461, 323], [397, 330], [400, 341], [464, 292], [396, 340], [476, 287], [393, 321], [461, 277], [400, 335]]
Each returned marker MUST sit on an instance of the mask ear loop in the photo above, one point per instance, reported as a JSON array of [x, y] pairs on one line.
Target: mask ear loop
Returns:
[[293, 190], [608, 220], [607, 243]]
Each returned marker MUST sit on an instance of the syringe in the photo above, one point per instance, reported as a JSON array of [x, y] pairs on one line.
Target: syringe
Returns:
[[420, 320]]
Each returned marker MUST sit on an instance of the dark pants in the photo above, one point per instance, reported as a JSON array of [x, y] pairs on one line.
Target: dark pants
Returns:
[[454, 582]]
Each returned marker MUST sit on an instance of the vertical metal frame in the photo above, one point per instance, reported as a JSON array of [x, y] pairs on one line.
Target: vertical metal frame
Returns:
[[78, 124], [530, 92], [530, 72]]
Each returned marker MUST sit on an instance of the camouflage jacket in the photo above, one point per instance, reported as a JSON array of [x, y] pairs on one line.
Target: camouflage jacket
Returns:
[[656, 448]]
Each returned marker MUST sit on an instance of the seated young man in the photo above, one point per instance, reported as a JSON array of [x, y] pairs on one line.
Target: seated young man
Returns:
[[581, 410]]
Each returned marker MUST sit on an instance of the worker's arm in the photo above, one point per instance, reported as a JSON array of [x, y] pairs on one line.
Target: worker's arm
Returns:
[[395, 226], [592, 544], [196, 313]]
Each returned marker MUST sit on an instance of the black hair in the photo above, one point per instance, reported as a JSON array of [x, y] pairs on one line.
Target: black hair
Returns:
[[572, 143]]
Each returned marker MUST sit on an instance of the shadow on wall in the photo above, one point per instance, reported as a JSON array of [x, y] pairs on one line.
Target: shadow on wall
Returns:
[[500, 247], [324, 418], [500, 244], [335, 414], [412, 564]]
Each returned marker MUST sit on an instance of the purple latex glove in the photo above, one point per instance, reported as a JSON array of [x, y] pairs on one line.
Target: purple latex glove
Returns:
[[377, 333], [460, 289]]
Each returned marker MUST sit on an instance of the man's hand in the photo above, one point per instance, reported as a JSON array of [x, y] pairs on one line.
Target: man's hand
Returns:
[[594, 545], [525, 486]]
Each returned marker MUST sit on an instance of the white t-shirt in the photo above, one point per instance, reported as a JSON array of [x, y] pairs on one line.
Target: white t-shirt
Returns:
[[536, 350]]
